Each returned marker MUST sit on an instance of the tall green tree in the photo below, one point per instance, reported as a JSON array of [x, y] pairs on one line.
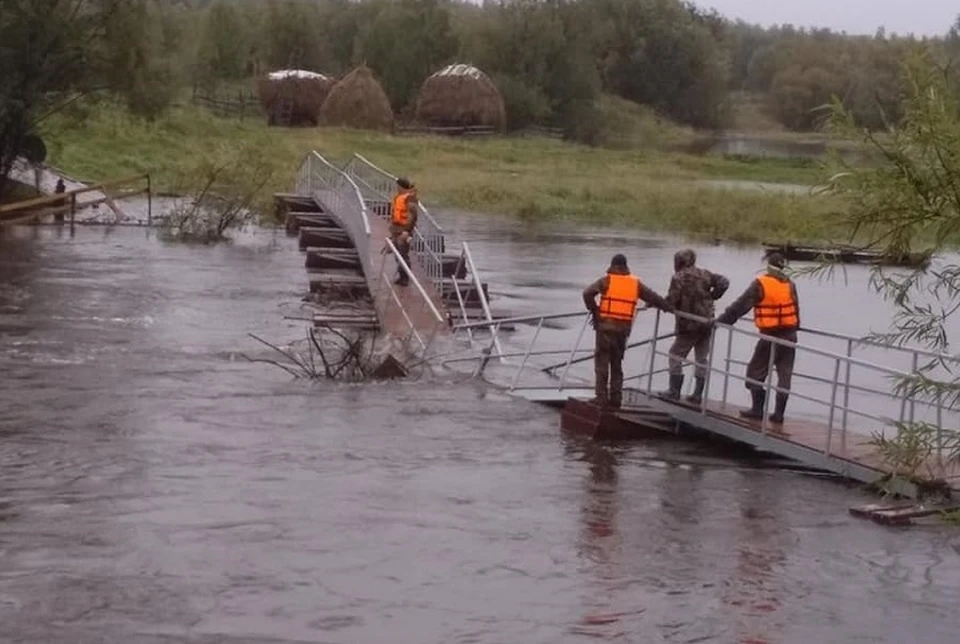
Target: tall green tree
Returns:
[[405, 43], [49, 56], [224, 50], [909, 200]]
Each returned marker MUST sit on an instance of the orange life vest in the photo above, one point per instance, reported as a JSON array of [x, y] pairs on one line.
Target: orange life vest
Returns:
[[400, 213], [620, 301], [777, 309]]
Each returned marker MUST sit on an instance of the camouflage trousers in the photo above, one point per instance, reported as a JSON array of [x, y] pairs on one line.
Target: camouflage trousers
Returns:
[[608, 365], [699, 341], [783, 360]]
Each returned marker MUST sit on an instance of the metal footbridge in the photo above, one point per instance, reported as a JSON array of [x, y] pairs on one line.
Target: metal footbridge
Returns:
[[844, 397]]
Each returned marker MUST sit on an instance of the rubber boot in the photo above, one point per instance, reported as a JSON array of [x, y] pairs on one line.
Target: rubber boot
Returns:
[[402, 279], [616, 401], [779, 409], [676, 385], [599, 401], [697, 396], [755, 412]]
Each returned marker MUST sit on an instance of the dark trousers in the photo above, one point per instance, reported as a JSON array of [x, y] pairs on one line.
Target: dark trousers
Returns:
[[783, 359], [402, 242], [608, 365], [699, 341]]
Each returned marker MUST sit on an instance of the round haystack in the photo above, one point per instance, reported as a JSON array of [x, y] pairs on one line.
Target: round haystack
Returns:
[[358, 101], [460, 96], [293, 96]]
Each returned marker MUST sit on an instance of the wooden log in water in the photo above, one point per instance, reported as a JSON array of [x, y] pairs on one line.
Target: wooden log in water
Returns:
[[284, 203], [468, 291], [337, 258], [296, 220], [351, 284], [845, 255], [316, 236]]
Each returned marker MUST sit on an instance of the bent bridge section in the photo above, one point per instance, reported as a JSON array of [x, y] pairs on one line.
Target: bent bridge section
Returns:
[[341, 217]]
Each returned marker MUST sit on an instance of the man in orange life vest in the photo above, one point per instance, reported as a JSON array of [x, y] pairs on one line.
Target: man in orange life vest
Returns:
[[776, 312], [403, 219], [619, 293]]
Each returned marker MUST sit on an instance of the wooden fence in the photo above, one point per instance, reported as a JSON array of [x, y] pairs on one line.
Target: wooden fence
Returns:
[[59, 205], [241, 105], [246, 105]]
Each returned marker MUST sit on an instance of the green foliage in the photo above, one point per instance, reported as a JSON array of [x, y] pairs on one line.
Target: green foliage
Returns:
[[224, 48], [133, 67], [526, 105], [911, 196], [49, 53], [222, 185], [547, 179], [405, 43]]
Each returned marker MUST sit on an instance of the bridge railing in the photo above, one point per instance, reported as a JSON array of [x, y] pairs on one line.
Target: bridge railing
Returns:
[[68, 203], [435, 320], [844, 388], [378, 186], [341, 197]]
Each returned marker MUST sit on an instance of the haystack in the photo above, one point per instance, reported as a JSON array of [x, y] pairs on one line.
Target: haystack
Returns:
[[460, 96], [293, 96], [358, 101]]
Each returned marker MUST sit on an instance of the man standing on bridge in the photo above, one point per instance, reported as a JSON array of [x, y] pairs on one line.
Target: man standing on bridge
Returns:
[[619, 293], [403, 219], [776, 312], [693, 290]]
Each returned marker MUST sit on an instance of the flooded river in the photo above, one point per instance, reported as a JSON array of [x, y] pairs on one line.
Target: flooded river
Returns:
[[157, 488]]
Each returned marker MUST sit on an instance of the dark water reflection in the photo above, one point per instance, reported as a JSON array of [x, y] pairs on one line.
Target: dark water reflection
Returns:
[[155, 487]]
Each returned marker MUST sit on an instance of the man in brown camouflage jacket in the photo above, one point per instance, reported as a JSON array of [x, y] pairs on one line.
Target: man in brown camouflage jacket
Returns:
[[692, 290]]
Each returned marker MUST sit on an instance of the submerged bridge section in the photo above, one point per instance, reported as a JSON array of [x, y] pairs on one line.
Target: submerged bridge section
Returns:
[[843, 400], [341, 217]]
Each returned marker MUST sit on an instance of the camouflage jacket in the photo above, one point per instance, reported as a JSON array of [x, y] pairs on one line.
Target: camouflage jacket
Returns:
[[694, 290]]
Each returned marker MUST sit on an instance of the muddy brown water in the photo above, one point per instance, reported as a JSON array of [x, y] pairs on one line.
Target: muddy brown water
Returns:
[[156, 488]]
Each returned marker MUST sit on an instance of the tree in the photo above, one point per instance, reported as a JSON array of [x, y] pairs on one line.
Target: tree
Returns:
[[224, 50], [405, 43], [908, 199], [49, 54]]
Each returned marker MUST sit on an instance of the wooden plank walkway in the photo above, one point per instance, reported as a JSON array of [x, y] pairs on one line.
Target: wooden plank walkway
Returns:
[[391, 317], [801, 439]]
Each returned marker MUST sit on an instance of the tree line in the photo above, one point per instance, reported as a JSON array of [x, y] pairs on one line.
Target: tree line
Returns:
[[551, 59]]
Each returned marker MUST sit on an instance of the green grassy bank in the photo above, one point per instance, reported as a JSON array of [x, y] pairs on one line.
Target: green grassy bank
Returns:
[[638, 182]]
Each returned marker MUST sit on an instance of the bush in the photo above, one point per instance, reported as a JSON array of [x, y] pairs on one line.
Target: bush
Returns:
[[526, 105]]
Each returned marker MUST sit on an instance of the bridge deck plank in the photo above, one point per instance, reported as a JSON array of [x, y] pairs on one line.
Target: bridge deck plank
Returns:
[[391, 317]]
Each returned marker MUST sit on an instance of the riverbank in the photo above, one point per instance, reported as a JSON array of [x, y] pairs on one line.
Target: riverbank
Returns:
[[643, 185]]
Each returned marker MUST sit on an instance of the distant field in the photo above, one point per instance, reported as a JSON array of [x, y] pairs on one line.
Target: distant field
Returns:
[[637, 178]]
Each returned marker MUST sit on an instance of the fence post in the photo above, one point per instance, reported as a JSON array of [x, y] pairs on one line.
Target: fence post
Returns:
[[73, 210], [653, 353], [833, 404], [846, 395], [706, 384], [768, 385], [149, 202], [573, 351], [726, 370], [913, 372]]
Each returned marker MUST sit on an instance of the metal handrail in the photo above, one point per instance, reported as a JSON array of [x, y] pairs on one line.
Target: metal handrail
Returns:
[[423, 293], [524, 319], [838, 410], [428, 237], [880, 345], [389, 187], [484, 304]]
